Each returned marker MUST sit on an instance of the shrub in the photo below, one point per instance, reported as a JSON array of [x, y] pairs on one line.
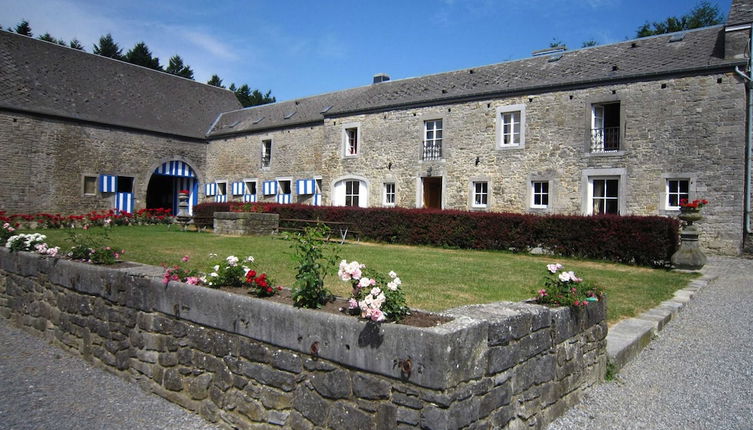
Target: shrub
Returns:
[[315, 258], [563, 288], [642, 240]]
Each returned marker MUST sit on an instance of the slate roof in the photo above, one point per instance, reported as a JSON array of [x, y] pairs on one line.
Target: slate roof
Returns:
[[47, 78], [699, 50], [741, 12]]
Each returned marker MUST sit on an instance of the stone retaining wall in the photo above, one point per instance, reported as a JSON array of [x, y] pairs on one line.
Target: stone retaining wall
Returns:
[[246, 223], [249, 363]]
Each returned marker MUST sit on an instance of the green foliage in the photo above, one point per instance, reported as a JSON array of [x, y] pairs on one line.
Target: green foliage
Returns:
[[215, 81], [611, 371], [89, 246], [24, 28], [25, 242], [47, 37], [703, 14], [142, 56], [108, 48], [588, 43], [247, 98], [314, 258], [176, 67], [556, 43], [75, 44], [563, 288]]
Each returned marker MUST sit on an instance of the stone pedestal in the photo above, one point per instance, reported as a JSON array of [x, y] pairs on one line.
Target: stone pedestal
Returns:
[[183, 217], [689, 256]]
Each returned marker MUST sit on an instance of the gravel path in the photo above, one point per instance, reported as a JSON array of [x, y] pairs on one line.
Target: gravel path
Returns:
[[44, 387], [698, 374]]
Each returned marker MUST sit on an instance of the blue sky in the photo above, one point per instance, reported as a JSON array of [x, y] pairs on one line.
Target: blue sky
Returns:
[[302, 48]]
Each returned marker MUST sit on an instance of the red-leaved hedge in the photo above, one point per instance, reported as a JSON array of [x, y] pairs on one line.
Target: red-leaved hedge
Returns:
[[642, 240]]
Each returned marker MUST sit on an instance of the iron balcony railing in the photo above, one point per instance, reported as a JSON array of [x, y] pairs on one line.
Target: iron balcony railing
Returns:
[[432, 151], [605, 139]]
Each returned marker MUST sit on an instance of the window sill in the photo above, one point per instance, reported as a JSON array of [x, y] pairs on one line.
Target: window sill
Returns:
[[508, 147], [606, 154]]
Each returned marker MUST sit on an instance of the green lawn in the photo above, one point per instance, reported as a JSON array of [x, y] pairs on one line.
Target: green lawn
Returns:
[[433, 278]]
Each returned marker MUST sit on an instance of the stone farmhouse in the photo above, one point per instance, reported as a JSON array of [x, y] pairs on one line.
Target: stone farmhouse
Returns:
[[628, 128]]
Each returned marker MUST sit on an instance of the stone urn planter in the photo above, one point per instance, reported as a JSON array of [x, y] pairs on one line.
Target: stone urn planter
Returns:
[[690, 256], [183, 217]]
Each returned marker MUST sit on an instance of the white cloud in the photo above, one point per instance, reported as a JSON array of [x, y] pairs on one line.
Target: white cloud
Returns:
[[210, 44]]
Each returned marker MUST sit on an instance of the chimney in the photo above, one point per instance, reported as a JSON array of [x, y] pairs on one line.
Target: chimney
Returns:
[[381, 77]]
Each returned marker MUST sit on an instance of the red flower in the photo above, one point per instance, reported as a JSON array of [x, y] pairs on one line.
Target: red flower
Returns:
[[184, 192]]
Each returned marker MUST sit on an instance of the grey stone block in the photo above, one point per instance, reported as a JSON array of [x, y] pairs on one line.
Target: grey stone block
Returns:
[[333, 385]]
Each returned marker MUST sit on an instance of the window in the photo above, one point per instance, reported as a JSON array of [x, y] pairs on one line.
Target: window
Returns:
[[540, 194], [352, 192], [250, 187], [605, 197], [480, 194], [90, 185], [432, 149], [266, 153], [511, 126], [221, 188], [389, 194], [677, 189], [351, 139], [605, 127], [284, 191], [125, 184]]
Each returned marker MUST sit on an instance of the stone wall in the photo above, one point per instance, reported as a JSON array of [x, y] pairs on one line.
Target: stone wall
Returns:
[[681, 127], [245, 223], [45, 161], [248, 363]]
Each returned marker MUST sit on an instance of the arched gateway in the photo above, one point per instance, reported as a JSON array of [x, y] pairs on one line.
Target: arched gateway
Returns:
[[167, 180]]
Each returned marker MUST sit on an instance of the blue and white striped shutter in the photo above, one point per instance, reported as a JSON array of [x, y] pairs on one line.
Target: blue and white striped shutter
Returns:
[[317, 200], [249, 198], [186, 183], [175, 168], [269, 188], [220, 198], [108, 183], [306, 186], [124, 202], [237, 188], [283, 198], [210, 189]]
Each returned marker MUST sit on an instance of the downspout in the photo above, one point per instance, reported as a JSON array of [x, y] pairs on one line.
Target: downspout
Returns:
[[748, 134]]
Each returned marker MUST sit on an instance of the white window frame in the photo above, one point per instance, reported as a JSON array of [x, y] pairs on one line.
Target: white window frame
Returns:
[[289, 181], [386, 193], [480, 194], [597, 144], [354, 127], [589, 175], [509, 111], [247, 189], [679, 194], [338, 188], [220, 186], [266, 154], [534, 194], [434, 141]]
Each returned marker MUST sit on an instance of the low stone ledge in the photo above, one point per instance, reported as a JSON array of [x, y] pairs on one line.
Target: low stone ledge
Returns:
[[246, 223], [244, 361]]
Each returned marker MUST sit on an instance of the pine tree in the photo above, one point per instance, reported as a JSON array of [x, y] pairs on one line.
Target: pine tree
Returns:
[[247, 98], [75, 44], [24, 28], [47, 37], [215, 81], [176, 67], [142, 56], [703, 15], [108, 48]]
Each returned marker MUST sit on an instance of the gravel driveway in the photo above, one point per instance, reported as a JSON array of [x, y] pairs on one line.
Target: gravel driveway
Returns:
[[43, 387], [698, 374]]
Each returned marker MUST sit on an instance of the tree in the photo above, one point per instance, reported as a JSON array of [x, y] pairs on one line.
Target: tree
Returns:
[[75, 44], [247, 98], [215, 81], [176, 67], [24, 28], [702, 15], [142, 56], [589, 43], [108, 48], [47, 37]]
